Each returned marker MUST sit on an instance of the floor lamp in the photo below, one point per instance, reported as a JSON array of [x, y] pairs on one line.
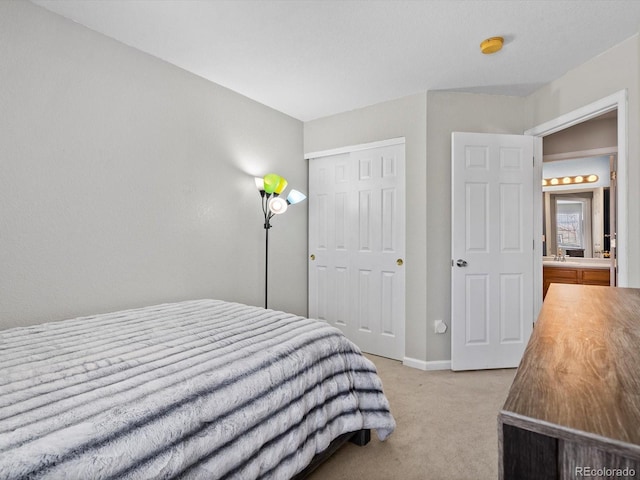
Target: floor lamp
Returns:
[[270, 187]]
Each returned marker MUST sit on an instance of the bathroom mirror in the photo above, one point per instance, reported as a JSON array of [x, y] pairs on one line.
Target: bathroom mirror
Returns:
[[577, 216]]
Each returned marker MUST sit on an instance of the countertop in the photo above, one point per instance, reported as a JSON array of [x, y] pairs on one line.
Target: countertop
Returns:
[[581, 368], [576, 262]]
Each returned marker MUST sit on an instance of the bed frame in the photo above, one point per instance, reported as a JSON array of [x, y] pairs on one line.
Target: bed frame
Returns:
[[360, 438]]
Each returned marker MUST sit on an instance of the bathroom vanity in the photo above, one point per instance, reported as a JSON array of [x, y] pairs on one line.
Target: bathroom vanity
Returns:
[[574, 406], [582, 271]]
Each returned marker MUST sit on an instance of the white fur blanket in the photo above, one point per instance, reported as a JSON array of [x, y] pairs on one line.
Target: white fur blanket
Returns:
[[200, 389]]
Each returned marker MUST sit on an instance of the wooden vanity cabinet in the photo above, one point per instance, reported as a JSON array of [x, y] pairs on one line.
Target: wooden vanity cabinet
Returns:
[[574, 275]]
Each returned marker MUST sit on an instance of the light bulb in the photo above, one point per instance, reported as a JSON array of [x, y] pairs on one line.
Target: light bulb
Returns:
[[278, 205]]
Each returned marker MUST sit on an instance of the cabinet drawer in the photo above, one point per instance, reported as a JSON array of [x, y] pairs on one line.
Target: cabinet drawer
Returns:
[[595, 277], [561, 275]]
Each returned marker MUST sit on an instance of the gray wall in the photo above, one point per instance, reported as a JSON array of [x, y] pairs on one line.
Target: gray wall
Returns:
[[426, 120], [594, 134], [125, 181], [604, 75], [449, 112], [405, 117]]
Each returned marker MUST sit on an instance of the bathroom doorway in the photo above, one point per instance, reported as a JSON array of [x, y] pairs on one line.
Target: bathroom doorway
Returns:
[[612, 108]]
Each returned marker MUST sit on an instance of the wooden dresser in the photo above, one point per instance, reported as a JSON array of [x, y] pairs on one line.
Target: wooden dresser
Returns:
[[573, 410]]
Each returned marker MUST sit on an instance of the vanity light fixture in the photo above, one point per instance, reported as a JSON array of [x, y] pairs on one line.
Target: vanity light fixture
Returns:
[[557, 181]]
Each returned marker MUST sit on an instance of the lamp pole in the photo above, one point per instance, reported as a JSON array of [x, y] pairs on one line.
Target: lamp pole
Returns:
[[267, 225]]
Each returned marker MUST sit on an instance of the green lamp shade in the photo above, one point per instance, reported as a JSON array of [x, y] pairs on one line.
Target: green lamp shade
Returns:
[[271, 181], [295, 197], [282, 184]]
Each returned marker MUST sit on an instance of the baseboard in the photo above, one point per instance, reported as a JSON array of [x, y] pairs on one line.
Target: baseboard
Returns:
[[423, 365]]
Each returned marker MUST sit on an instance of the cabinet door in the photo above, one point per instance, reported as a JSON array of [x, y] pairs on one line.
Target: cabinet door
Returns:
[[558, 275], [595, 277]]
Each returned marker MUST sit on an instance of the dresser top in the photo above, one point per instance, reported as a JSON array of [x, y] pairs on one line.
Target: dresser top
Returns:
[[581, 368]]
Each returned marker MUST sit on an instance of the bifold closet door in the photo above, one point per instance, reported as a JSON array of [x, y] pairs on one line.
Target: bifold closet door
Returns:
[[357, 246]]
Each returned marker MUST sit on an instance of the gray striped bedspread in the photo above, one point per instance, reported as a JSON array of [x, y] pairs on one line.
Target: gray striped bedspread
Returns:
[[201, 389]]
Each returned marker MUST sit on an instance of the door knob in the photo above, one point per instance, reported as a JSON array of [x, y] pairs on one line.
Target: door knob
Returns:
[[461, 263], [400, 262], [312, 257]]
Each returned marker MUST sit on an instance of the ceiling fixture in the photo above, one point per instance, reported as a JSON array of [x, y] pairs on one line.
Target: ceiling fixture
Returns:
[[491, 45]]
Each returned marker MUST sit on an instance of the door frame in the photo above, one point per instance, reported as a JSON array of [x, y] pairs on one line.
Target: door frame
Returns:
[[354, 148], [614, 101]]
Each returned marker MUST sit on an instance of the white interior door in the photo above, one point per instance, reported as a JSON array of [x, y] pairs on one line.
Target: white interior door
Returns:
[[492, 249], [613, 215], [357, 246]]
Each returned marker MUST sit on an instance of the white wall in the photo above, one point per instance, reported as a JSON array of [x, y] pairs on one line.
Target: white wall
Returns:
[[125, 181], [604, 75], [405, 117]]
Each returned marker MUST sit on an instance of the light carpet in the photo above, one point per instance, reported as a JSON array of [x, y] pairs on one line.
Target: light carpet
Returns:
[[446, 427]]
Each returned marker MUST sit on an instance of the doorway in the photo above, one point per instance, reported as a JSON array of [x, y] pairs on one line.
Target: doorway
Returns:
[[613, 103]]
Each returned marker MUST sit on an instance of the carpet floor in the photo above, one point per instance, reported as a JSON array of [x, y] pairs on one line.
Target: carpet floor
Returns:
[[446, 427]]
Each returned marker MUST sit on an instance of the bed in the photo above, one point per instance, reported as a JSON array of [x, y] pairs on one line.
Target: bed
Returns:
[[201, 389]]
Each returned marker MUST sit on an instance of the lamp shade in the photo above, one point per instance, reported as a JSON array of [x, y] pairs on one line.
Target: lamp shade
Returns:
[[295, 197], [271, 181], [282, 184], [278, 205], [259, 183]]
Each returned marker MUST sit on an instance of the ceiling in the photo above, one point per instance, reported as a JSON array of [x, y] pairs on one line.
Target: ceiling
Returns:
[[314, 58]]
